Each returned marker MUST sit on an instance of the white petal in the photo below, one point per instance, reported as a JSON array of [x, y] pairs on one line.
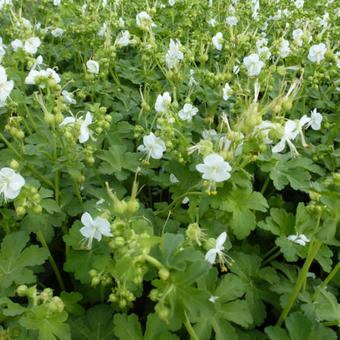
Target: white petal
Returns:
[[86, 231], [67, 120], [280, 146], [104, 226], [220, 240], [210, 256], [86, 219]]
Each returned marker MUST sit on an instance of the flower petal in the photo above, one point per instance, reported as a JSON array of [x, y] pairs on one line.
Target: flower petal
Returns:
[[87, 220]]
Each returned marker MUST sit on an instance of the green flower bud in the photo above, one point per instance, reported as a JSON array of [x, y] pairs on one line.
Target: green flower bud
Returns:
[[22, 290], [113, 298], [154, 295], [122, 303], [21, 211], [163, 274], [93, 273], [14, 164], [132, 206], [95, 281], [37, 209]]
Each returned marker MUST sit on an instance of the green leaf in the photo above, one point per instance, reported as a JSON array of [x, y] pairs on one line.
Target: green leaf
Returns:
[[169, 245], [157, 329], [327, 307], [95, 325], [240, 203], [230, 288], [127, 327], [290, 250], [300, 327], [15, 259], [71, 302], [276, 333], [280, 222], [238, 312], [296, 172], [51, 328]]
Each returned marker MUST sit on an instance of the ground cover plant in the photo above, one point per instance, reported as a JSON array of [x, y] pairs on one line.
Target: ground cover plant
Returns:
[[169, 169]]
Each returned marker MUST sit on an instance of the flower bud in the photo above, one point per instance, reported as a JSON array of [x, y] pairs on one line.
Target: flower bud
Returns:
[[93, 273], [132, 206], [163, 274], [14, 164], [95, 281], [22, 290], [21, 211], [122, 303]]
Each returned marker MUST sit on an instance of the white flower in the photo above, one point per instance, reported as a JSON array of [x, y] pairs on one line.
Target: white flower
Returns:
[[265, 127], [297, 36], [5, 2], [144, 19], [217, 41], [209, 134], [212, 22], [92, 66], [264, 52], [231, 21], [10, 183], [154, 146], [172, 2], [122, 23], [31, 45], [48, 73], [317, 53], [173, 179], [94, 228], [226, 91], [67, 97], [104, 3], [185, 200], [16, 44], [188, 112], [253, 64], [173, 55], [2, 49], [213, 298], [299, 239], [261, 42], [163, 102], [284, 48], [56, 2], [299, 3], [210, 256], [214, 169], [84, 129], [123, 39], [102, 31], [57, 32], [290, 133], [5, 86], [315, 120]]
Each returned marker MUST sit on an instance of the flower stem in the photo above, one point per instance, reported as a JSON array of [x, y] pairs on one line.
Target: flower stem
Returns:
[[176, 201], [299, 282], [189, 328], [76, 189], [326, 281], [271, 258], [153, 261], [265, 184], [41, 239]]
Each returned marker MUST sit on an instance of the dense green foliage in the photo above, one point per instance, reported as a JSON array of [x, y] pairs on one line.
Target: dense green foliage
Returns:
[[169, 169]]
